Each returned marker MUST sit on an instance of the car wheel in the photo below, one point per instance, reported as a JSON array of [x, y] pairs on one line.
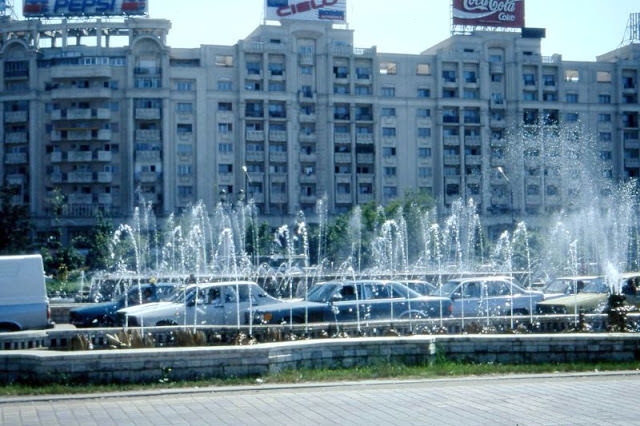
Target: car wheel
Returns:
[[5, 328]]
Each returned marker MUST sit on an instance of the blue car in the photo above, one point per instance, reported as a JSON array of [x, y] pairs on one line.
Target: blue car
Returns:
[[104, 314], [352, 301]]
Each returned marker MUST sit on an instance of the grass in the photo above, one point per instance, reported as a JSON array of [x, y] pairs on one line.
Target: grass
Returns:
[[438, 369]]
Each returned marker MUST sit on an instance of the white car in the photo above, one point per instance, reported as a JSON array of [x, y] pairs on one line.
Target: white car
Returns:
[[223, 303], [488, 295]]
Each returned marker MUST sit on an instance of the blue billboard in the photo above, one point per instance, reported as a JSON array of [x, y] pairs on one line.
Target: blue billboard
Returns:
[[58, 8]]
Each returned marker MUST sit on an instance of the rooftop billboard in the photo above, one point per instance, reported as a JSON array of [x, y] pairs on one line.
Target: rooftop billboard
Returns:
[[58, 8], [489, 13], [309, 10]]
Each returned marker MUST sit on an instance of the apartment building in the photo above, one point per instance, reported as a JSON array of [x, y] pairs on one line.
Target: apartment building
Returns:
[[103, 115]]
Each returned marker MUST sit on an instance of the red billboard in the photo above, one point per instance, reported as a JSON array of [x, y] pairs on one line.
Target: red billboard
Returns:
[[489, 13]]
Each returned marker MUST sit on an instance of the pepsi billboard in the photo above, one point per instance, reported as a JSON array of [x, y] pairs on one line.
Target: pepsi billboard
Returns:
[[59, 8], [489, 13], [308, 10]]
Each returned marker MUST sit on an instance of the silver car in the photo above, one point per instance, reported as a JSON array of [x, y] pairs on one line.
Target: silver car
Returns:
[[223, 303], [489, 295]]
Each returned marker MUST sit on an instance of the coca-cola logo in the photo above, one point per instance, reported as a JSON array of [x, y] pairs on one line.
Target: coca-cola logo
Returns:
[[490, 6], [489, 12]]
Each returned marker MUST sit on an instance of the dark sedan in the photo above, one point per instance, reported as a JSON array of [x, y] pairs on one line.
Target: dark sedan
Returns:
[[104, 314], [355, 301]]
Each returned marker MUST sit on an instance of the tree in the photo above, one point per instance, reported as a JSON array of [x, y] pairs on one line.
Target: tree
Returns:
[[99, 244], [15, 227]]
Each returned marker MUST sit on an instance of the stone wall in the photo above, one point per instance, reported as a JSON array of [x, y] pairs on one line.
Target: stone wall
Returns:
[[156, 364]]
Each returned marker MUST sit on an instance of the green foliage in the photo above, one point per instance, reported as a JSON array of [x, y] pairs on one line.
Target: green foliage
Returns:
[[99, 244], [15, 227]]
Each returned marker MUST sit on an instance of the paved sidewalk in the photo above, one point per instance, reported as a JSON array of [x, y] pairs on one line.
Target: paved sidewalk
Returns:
[[553, 399]]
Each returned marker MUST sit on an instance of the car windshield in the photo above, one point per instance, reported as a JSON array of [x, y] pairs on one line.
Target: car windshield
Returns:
[[560, 285], [322, 292], [182, 294], [421, 287]]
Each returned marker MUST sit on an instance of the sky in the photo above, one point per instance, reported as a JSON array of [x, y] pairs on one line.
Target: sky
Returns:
[[579, 30]]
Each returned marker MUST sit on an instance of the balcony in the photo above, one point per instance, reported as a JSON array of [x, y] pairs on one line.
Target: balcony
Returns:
[[307, 137], [365, 198], [343, 178], [104, 177], [308, 178], [472, 141], [103, 156], [452, 160], [342, 138], [365, 158], [105, 199], [16, 179], [147, 177], [278, 157], [148, 114], [632, 144], [308, 199], [80, 93], [15, 117], [255, 135], [15, 137], [84, 72], [365, 178], [278, 198], [452, 140], [533, 199], [80, 199], [255, 156], [342, 157], [257, 197], [307, 118], [496, 68], [80, 177], [15, 158], [147, 135], [278, 135], [278, 178], [498, 123], [632, 163], [473, 160], [79, 156], [308, 158], [148, 156], [364, 138], [343, 198]]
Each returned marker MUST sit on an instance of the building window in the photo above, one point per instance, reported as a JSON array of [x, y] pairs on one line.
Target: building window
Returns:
[[276, 86], [388, 112], [390, 191], [572, 98], [571, 76], [225, 169], [389, 131], [604, 99], [424, 152], [423, 69], [424, 132], [449, 76], [388, 151], [225, 148], [388, 68], [184, 85], [389, 171], [306, 69], [276, 69], [604, 118], [425, 172], [424, 93], [225, 128], [423, 113], [184, 129], [529, 79], [184, 108], [388, 92], [571, 117], [363, 90], [603, 77], [549, 79], [254, 68], [225, 106], [185, 170], [470, 77], [363, 73], [224, 85], [225, 61], [605, 136]]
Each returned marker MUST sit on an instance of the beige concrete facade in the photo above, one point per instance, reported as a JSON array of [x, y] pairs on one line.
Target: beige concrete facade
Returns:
[[106, 114]]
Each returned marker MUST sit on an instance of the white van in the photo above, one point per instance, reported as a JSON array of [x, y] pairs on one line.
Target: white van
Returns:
[[23, 295]]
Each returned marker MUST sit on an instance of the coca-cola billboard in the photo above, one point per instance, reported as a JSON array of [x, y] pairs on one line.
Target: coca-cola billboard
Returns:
[[489, 13]]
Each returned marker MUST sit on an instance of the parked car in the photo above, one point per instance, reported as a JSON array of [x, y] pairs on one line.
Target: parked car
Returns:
[[488, 295], [562, 286], [24, 304], [104, 314], [354, 300], [592, 298], [223, 303]]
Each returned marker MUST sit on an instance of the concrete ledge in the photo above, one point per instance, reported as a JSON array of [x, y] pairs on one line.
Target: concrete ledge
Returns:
[[157, 364]]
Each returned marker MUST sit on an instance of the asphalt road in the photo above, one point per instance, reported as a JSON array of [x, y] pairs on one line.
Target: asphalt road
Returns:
[[553, 399]]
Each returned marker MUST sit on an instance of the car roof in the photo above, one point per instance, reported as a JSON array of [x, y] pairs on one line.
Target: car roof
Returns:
[[225, 283], [482, 278], [577, 277]]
